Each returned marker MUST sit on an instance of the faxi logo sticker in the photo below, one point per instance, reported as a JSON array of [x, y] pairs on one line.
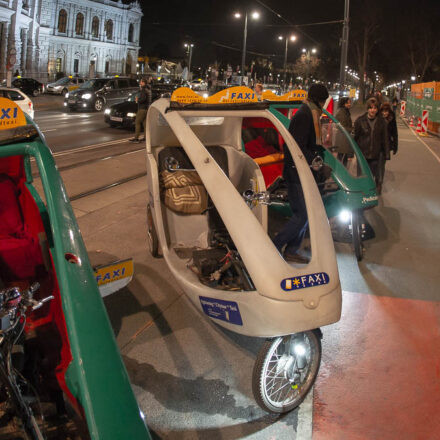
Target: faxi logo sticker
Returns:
[[10, 114], [303, 281]]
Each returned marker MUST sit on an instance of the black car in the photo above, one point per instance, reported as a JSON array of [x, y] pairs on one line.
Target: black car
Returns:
[[97, 93], [29, 86], [124, 113]]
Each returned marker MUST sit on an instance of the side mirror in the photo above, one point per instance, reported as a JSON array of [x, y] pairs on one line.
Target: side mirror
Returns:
[[317, 163]]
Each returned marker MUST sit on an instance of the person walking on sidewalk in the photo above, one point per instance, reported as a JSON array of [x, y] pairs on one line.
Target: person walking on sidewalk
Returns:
[[143, 101], [306, 131], [344, 117], [390, 118], [370, 133]]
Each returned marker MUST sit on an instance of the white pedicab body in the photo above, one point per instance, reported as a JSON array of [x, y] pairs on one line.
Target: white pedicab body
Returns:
[[288, 301]]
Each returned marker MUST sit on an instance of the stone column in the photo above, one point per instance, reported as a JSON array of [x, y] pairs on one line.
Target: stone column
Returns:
[[23, 37], [4, 48]]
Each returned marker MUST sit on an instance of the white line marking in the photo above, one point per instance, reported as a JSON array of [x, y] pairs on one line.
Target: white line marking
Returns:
[[304, 428], [425, 144], [91, 147], [51, 129]]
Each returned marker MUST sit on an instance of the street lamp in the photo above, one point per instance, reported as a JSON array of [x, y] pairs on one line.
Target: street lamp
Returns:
[[291, 38], [189, 51], [307, 54], [255, 15]]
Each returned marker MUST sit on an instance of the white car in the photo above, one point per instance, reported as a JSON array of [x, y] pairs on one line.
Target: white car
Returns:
[[19, 98], [199, 85]]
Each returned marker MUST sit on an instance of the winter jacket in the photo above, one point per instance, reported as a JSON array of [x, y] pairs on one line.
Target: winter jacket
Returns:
[[392, 132], [372, 143], [341, 141], [303, 131], [145, 97]]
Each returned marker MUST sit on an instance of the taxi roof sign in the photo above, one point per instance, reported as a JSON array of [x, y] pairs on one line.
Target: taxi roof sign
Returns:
[[11, 115], [293, 95], [231, 95]]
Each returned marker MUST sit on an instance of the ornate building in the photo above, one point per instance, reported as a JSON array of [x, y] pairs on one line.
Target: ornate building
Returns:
[[43, 38]]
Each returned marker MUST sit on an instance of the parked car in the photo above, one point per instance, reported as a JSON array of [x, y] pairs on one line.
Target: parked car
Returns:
[[199, 85], [98, 93], [65, 85], [21, 99], [275, 88], [123, 114], [30, 86]]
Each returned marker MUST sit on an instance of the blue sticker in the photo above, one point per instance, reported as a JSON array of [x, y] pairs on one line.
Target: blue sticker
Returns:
[[225, 310], [303, 281]]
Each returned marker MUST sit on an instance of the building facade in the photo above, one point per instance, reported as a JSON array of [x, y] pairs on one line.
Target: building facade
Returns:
[[44, 39]]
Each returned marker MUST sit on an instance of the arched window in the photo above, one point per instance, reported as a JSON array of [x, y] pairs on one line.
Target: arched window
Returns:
[[130, 33], [62, 21], [95, 27], [109, 29], [79, 26]]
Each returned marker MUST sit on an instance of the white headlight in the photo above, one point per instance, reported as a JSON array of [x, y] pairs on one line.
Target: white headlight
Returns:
[[107, 111], [57, 87], [345, 216], [131, 115], [67, 95], [205, 95], [300, 350], [87, 96]]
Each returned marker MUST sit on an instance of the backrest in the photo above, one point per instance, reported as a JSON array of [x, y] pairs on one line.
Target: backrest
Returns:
[[11, 221]]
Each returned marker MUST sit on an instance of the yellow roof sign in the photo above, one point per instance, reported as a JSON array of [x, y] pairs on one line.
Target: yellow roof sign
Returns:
[[293, 95], [231, 95], [11, 115]]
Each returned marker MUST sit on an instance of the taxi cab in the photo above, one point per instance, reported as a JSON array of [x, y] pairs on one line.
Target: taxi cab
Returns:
[[64, 85]]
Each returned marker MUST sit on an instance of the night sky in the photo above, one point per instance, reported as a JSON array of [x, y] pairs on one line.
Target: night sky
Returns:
[[217, 35]]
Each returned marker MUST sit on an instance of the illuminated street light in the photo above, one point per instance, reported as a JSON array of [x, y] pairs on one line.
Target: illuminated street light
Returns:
[[291, 38], [307, 53], [189, 50], [255, 15]]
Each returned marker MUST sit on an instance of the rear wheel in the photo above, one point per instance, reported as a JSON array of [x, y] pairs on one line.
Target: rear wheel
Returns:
[[356, 230], [153, 241], [99, 105], [35, 92], [285, 370]]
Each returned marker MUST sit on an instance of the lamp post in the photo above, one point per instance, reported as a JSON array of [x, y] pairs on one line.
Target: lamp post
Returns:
[[307, 54], [255, 15], [291, 38], [189, 51]]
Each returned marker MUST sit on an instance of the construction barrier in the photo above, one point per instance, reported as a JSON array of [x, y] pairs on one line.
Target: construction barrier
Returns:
[[425, 116], [425, 96], [402, 108]]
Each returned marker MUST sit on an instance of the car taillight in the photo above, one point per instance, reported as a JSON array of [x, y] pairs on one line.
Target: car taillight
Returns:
[[30, 105]]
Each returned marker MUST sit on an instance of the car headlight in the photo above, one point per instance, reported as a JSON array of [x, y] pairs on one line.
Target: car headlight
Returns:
[[131, 115], [86, 96], [107, 111], [67, 95]]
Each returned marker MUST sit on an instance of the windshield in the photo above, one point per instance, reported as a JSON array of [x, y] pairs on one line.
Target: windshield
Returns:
[[94, 84], [62, 81], [133, 97]]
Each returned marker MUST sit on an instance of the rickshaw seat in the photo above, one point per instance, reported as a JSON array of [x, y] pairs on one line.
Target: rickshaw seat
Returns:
[[20, 252]]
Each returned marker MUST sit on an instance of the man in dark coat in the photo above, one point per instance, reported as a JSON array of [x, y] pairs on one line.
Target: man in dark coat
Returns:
[[143, 101], [390, 119], [305, 129], [370, 133]]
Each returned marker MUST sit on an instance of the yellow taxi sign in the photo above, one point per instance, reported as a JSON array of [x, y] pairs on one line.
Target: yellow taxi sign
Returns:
[[293, 95], [231, 95], [18, 76], [11, 115], [114, 272], [70, 76]]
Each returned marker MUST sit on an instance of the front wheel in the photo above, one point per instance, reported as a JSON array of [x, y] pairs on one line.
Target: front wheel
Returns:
[[35, 92], [285, 370], [356, 230], [99, 105]]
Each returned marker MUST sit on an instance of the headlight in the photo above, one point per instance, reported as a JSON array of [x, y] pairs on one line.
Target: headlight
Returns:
[[345, 216], [67, 95], [86, 96], [57, 87], [205, 95], [131, 115], [107, 111]]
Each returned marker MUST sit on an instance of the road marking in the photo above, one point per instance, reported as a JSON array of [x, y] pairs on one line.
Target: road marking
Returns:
[[51, 129], [304, 427], [91, 147], [425, 144]]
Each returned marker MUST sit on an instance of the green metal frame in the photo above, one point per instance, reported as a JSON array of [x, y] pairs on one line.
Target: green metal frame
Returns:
[[354, 192], [96, 376]]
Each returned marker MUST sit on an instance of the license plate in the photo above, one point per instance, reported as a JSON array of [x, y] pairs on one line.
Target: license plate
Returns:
[[71, 101], [114, 118]]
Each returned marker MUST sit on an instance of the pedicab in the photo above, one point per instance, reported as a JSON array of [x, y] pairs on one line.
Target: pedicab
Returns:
[[207, 217], [48, 289], [348, 190]]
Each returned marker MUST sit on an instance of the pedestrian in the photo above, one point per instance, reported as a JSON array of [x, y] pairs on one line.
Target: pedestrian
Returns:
[[370, 133], [258, 89], [341, 142], [306, 131], [390, 118], [143, 101]]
